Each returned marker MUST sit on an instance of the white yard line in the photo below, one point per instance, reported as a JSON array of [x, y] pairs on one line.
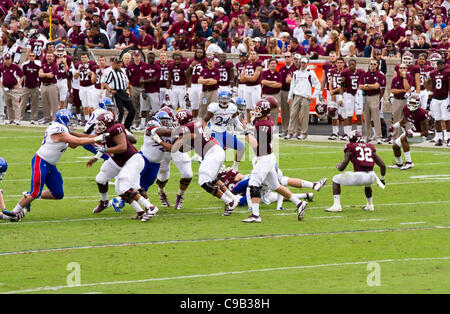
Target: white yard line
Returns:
[[270, 236], [236, 272], [413, 223]]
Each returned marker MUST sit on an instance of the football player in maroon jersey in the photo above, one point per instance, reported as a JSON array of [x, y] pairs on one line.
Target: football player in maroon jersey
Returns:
[[438, 83], [197, 64], [226, 73], [425, 70], [191, 136], [64, 62], [335, 88], [125, 165], [327, 66], [264, 172], [163, 63], [418, 119], [363, 157], [176, 82], [413, 69], [85, 71]]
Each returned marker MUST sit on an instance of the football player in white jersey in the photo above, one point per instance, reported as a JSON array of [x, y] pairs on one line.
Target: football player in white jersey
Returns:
[[219, 114], [44, 172], [181, 160], [4, 212]]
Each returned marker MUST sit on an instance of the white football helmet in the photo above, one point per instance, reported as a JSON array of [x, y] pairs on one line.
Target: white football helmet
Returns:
[[434, 58], [413, 102], [408, 58]]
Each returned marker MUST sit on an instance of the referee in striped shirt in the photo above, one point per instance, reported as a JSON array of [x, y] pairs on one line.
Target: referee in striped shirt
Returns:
[[117, 84]]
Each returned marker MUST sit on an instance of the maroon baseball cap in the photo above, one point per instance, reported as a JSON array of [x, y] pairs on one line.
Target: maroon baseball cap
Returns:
[[210, 58], [136, 53], [7, 56], [143, 28]]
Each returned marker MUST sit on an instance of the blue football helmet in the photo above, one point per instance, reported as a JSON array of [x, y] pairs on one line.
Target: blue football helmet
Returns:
[[224, 98], [164, 119], [3, 168], [104, 103], [64, 116], [118, 203], [241, 104]]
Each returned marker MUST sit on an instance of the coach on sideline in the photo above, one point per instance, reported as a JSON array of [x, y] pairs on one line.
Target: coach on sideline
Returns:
[[300, 97], [118, 86]]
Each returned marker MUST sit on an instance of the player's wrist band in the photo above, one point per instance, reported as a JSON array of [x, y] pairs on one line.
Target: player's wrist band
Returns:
[[98, 155]]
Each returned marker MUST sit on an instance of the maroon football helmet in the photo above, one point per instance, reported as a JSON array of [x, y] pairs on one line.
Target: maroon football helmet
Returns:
[[104, 122], [183, 117], [321, 109], [332, 111], [273, 101], [262, 108], [355, 136], [167, 109], [434, 58]]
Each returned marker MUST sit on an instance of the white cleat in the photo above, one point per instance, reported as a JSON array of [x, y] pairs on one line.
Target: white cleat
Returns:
[[368, 207], [229, 208], [301, 208], [149, 213], [319, 184], [407, 165], [334, 209], [252, 218], [396, 166]]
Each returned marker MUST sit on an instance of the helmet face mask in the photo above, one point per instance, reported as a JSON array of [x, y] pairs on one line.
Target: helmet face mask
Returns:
[[104, 122], [224, 98], [262, 108], [60, 50], [104, 103], [183, 117], [413, 103], [321, 109], [434, 58], [355, 136], [241, 104], [164, 119], [408, 58], [64, 117]]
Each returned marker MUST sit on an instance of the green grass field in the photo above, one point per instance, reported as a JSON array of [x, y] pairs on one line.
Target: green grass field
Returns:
[[196, 250]]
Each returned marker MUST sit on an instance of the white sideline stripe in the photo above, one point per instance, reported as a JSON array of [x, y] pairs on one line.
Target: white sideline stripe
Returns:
[[181, 214], [373, 219], [268, 236], [236, 272], [413, 223], [15, 137]]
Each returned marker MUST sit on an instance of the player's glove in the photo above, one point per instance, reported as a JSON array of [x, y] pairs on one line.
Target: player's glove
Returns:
[[101, 137], [102, 149]]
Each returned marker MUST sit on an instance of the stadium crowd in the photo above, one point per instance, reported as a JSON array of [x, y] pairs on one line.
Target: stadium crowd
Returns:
[[291, 29]]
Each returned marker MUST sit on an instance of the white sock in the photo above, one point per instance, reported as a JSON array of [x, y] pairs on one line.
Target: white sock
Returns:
[[142, 121], [307, 184], [301, 195], [347, 130], [236, 165], [369, 201], [3, 217], [181, 192], [136, 206], [78, 116], [17, 209], [280, 200], [448, 135], [229, 194], [408, 156], [225, 199], [399, 160], [294, 200], [337, 200], [439, 135], [104, 196], [86, 117], [335, 129], [255, 209], [144, 202]]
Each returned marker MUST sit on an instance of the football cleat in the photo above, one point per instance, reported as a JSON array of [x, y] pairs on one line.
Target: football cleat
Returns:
[[439, 142], [396, 166], [252, 218], [179, 202], [149, 213], [288, 136], [344, 138], [407, 165], [301, 208], [102, 205], [368, 207], [448, 142], [334, 209], [309, 197], [319, 184], [117, 203], [332, 137], [164, 199], [229, 208], [139, 215], [28, 207]]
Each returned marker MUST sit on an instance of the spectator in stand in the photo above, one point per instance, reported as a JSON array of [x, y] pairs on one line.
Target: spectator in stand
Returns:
[[315, 50], [294, 47], [127, 40], [390, 51], [435, 39], [211, 46], [347, 46], [258, 47], [237, 47], [422, 44], [264, 12], [272, 47], [333, 43], [397, 34], [160, 42]]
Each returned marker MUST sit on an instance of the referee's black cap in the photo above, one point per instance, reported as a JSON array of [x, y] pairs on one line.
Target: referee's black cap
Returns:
[[117, 60]]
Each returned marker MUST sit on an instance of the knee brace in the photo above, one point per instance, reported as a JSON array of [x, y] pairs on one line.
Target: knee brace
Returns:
[[143, 193], [210, 187], [161, 184], [129, 195], [185, 181], [255, 191]]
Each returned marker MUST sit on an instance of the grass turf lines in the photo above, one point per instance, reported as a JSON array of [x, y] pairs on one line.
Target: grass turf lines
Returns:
[[196, 250]]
